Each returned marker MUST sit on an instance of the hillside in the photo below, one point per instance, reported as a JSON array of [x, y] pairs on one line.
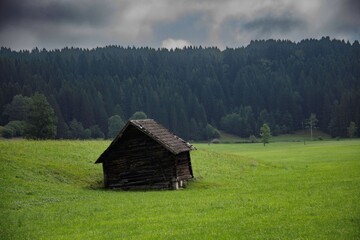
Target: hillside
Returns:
[[53, 190], [234, 90]]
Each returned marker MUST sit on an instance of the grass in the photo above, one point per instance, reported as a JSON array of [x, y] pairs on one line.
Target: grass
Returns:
[[299, 136], [52, 190]]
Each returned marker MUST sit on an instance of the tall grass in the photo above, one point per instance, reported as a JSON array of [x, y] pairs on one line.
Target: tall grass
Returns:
[[52, 190]]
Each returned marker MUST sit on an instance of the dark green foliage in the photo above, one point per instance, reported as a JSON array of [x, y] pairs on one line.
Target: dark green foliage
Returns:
[[352, 129], [232, 123], [138, 115], [7, 132], [41, 119], [77, 130], [253, 139], [241, 123], [18, 108], [96, 132], [211, 132], [115, 125], [344, 112], [311, 123], [87, 134], [265, 133], [16, 128], [237, 90]]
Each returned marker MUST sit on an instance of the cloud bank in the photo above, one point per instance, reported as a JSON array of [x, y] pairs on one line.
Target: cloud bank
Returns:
[[175, 43], [158, 23]]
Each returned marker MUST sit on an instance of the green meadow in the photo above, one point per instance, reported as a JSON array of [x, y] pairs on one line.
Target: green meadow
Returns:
[[285, 190]]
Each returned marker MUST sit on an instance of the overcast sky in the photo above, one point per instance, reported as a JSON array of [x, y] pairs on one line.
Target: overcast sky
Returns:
[[25, 24]]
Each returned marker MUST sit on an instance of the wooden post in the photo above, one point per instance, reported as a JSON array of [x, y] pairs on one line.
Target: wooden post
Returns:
[[175, 184]]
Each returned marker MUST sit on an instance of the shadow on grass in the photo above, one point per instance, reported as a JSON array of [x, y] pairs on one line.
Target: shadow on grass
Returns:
[[96, 185], [196, 183]]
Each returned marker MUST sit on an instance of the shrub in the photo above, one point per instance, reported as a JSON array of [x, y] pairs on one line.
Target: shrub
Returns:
[[7, 132], [138, 115], [211, 132], [86, 134], [13, 129], [253, 139], [18, 128], [96, 132]]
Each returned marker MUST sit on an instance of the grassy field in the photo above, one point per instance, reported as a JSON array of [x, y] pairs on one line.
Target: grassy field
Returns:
[[52, 190], [298, 136]]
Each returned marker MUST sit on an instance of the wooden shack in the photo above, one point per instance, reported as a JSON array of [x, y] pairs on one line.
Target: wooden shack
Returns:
[[146, 155]]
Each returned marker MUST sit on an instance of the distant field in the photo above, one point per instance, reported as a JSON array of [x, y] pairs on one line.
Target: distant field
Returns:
[[299, 136], [287, 190]]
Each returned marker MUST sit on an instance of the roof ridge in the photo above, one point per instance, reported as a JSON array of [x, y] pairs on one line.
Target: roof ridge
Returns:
[[156, 137], [158, 133]]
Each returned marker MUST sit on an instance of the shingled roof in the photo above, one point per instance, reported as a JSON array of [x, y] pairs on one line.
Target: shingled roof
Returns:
[[158, 133]]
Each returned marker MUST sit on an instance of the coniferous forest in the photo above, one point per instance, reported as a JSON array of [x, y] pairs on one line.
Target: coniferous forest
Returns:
[[193, 91]]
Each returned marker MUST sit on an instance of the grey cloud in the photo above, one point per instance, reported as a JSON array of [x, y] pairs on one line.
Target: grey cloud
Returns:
[[91, 23], [56, 24], [272, 24], [26, 12], [351, 7], [347, 17]]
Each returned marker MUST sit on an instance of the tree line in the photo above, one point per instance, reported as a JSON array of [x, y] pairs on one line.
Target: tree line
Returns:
[[193, 91]]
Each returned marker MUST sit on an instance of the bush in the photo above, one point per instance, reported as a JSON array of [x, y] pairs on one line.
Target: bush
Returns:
[[211, 132], [138, 115], [13, 129], [86, 134], [7, 132], [253, 139], [96, 132], [18, 128]]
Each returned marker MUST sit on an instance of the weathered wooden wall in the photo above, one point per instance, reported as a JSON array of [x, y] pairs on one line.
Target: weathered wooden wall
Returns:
[[183, 166]]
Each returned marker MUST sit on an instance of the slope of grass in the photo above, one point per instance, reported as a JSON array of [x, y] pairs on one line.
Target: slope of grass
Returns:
[[52, 190]]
